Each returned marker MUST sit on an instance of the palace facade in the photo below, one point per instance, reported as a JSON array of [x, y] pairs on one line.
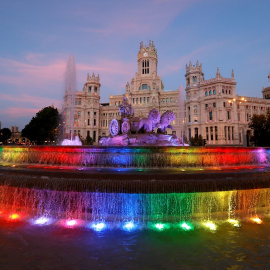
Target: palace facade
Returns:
[[211, 107]]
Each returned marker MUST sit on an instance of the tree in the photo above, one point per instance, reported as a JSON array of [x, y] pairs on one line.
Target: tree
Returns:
[[260, 124], [196, 141], [89, 140], [5, 134], [43, 126]]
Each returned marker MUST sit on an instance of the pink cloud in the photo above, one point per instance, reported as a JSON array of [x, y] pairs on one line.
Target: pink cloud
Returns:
[[20, 73], [38, 102], [15, 112]]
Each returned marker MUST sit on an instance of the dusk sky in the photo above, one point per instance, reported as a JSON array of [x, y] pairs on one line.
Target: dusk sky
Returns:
[[37, 38]]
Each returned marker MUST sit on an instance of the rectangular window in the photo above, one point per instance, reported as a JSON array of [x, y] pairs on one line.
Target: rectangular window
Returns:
[[94, 122], [147, 99], [232, 134], [224, 104], [207, 134], [214, 104], [228, 115], [144, 100], [95, 113], [196, 118], [95, 89], [225, 132], [89, 89], [88, 122], [141, 100], [216, 133], [229, 133], [206, 106], [210, 116]]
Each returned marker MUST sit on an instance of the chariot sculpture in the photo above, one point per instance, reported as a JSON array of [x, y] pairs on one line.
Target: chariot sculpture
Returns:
[[131, 130]]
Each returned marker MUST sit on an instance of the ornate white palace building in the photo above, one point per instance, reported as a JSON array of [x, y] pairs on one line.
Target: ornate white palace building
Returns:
[[212, 107]]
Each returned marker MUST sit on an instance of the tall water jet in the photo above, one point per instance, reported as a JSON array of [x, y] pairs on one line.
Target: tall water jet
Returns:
[[69, 99], [181, 113]]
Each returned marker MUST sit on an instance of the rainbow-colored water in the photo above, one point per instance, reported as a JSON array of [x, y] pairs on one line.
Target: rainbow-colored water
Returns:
[[98, 209], [150, 157], [121, 210]]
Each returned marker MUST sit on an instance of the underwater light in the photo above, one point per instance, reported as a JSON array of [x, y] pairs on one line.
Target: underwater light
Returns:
[[211, 225], [71, 223], [234, 222], [257, 220], [99, 226], [129, 226], [186, 226], [41, 221], [14, 216], [159, 226]]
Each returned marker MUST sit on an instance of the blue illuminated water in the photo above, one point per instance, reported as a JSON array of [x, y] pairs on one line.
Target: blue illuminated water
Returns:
[[24, 246]]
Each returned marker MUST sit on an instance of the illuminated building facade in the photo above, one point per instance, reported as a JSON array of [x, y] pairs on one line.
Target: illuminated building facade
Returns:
[[212, 107]]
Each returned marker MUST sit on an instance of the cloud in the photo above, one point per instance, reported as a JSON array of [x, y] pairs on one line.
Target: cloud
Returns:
[[136, 18], [15, 112], [180, 63], [28, 74], [36, 101]]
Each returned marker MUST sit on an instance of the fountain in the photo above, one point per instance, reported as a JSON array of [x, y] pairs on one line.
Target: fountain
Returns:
[[143, 185], [70, 93], [148, 179]]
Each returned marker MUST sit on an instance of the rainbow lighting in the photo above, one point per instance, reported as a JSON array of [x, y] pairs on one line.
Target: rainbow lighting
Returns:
[[129, 226], [160, 226], [210, 225], [234, 222], [14, 217], [186, 226], [71, 223], [42, 221], [99, 226], [140, 157], [256, 220]]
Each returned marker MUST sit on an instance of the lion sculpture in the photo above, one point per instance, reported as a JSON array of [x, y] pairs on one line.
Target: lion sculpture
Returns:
[[165, 121], [150, 123]]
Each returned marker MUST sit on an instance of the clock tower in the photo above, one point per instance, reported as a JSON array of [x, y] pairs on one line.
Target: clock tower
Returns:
[[147, 60], [146, 79]]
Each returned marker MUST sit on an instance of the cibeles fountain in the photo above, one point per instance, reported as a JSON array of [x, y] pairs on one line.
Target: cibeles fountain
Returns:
[[134, 131], [138, 177]]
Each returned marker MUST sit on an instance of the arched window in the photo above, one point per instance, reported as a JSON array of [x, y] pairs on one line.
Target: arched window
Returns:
[[144, 87], [210, 93], [214, 91], [145, 67], [206, 93]]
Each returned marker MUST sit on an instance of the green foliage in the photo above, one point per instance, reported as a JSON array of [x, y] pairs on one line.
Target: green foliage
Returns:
[[5, 134], [89, 140], [260, 124], [197, 141], [42, 127]]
